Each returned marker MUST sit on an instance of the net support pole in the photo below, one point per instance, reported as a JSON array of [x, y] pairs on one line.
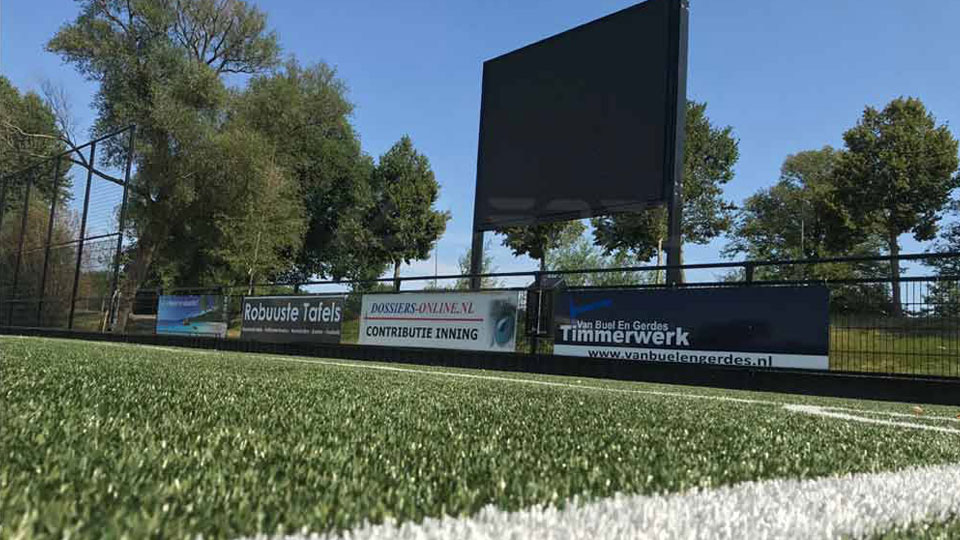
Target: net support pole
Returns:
[[83, 235], [115, 281], [48, 241], [23, 233], [476, 260], [676, 133]]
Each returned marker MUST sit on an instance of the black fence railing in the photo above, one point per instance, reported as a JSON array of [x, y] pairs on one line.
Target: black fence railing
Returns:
[[871, 330], [61, 235], [61, 242]]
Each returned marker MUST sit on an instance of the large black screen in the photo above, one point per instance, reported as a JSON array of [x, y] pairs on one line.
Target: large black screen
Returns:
[[577, 125]]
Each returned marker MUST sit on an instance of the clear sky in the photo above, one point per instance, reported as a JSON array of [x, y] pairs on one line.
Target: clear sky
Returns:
[[787, 75]]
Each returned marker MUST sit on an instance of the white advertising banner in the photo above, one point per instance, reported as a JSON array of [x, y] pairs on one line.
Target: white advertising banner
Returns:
[[483, 321]]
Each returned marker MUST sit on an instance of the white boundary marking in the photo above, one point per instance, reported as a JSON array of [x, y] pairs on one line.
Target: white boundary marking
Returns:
[[857, 506], [829, 412]]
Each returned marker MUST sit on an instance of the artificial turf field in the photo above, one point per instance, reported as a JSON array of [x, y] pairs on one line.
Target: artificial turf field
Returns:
[[106, 441]]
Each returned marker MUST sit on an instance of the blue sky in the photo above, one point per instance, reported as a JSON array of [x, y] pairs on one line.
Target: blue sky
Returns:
[[787, 75]]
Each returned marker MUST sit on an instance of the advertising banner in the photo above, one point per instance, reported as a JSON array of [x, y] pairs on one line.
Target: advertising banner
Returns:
[[785, 327], [465, 321], [285, 319], [195, 315]]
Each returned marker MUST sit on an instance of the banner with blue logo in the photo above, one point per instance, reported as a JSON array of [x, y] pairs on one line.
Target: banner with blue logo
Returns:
[[738, 326], [485, 321], [195, 315]]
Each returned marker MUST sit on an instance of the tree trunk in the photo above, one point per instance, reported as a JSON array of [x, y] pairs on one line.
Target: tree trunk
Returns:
[[543, 263], [896, 308], [135, 275], [396, 276]]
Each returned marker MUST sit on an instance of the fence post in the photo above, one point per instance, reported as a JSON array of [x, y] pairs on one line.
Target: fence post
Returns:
[[46, 246], [114, 297], [83, 234], [535, 342], [748, 272], [23, 233]]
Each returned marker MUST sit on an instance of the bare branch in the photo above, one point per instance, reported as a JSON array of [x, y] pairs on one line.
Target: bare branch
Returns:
[[25, 134], [105, 9], [55, 96]]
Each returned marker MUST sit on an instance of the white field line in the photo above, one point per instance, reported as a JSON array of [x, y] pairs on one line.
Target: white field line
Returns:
[[822, 411], [827, 412], [857, 506]]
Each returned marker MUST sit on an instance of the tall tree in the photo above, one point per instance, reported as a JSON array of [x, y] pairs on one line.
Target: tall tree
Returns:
[[949, 242], [245, 220], [403, 224], [710, 153], [536, 241], [897, 174], [28, 135], [799, 217], [582, 254], [304, 113], [943, 297], [160, 65], [487, 266], [28, 264]]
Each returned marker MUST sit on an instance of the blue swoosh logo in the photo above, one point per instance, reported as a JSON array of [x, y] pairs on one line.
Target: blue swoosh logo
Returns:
[[576, 311]]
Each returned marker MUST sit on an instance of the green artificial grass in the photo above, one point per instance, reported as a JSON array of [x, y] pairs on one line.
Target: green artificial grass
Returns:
[[926, 531], [104, 440]]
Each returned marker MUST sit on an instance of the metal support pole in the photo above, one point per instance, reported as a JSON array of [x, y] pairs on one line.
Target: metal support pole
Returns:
[[748, 269], [46, 250], [535, 341], [83, 233], [23, 234], [114, 298], [476, 260], [676, 134]]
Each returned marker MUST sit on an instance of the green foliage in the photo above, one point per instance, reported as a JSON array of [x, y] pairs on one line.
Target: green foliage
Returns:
[[28, 135], [797, 217], [61, 265], [160, 65], [304, 114], [943, 299], [949, 242], [109, 441], [800, 217], [710, 153], [402, 225], [897, 173], [581, 254], [944, 296], [536, 241], [486, 267], [244, 219]]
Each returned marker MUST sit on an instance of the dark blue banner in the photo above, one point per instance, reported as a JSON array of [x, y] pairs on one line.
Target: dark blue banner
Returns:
[[741, 326]]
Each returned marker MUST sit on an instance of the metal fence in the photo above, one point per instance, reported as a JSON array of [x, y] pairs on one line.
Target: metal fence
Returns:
[[61, 223], [61, 245], [869, 331]]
